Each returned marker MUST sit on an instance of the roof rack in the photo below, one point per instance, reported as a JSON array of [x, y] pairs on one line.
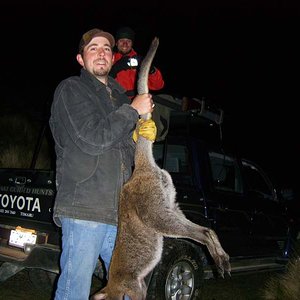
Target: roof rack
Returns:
[[204, 107]]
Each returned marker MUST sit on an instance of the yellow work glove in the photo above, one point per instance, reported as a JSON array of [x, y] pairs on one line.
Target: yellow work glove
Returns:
[[145, 128]]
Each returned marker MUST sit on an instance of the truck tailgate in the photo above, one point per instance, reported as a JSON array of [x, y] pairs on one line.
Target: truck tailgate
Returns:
[[27, 196]]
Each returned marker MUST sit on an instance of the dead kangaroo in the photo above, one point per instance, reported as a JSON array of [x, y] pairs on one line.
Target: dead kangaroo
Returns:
[[148, 212]]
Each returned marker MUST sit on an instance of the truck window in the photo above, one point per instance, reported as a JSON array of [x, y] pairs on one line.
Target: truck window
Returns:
[[26, 143], [176, 161], [158, 153], [256, 181], [225, 173]]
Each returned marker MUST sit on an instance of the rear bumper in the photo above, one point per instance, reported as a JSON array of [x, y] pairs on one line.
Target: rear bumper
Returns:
[[14, 260]]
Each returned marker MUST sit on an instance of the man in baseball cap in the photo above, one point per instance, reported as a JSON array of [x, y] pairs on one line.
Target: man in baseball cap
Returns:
[[92, 122]]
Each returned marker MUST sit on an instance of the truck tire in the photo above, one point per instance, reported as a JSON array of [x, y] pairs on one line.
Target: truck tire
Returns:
[[179, 274]]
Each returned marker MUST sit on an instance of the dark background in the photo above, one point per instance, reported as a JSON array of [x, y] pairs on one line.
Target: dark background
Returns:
[[244, 55]]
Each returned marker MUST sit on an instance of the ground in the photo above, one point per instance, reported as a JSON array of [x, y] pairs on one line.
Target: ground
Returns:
[[243, 287]]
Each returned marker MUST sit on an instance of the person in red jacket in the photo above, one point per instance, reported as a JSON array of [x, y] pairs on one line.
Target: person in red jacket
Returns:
[[127, 63]]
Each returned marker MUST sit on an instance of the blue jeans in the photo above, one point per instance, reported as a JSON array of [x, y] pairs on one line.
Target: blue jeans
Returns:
[[82, 243]]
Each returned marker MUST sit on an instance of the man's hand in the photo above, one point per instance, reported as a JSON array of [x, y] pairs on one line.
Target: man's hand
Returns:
[[145, 128], [143, 104]]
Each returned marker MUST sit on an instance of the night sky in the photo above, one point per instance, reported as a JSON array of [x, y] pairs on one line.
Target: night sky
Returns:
[[244, 55]]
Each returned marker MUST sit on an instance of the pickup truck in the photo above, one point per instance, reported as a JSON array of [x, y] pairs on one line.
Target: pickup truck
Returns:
[[256, 226]]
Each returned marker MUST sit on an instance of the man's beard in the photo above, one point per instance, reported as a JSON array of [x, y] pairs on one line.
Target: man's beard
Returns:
[[101, 72]]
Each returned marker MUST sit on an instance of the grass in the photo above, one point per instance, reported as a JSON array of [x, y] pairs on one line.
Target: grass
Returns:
[[286, 286], [244, 287]]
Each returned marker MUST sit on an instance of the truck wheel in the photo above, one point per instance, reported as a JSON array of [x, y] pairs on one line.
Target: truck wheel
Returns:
[[179, 275]]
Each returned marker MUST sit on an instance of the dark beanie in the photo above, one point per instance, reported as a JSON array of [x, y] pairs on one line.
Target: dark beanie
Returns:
[[125, 33]]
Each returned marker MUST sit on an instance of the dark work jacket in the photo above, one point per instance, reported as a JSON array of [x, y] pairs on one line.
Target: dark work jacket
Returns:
[[92, 127]]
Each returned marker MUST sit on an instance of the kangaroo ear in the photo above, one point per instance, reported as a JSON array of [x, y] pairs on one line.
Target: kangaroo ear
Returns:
[[99, 296]]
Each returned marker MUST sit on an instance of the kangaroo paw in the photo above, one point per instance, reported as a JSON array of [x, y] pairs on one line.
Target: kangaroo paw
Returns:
[[220, 257]]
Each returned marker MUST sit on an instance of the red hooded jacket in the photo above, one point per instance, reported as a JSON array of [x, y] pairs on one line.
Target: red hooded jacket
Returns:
[[125, 70]]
